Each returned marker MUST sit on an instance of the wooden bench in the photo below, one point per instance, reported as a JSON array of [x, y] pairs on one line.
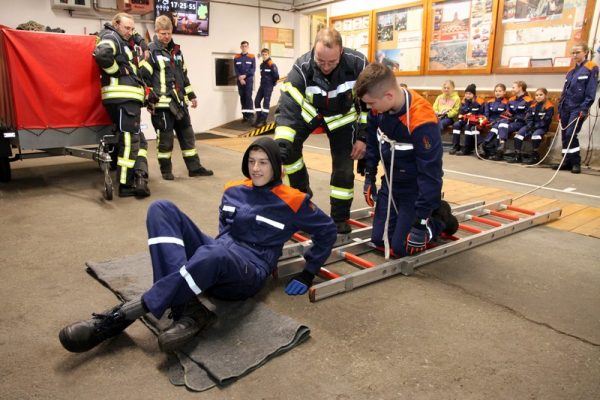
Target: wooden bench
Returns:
[[432, 94]]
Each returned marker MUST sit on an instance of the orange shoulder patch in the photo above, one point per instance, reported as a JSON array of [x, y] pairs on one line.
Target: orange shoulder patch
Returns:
[[238, 182], [548, 104], [528, 98], [237, 56], [590, 65], [420, 112], [250, 55], [290, 196]]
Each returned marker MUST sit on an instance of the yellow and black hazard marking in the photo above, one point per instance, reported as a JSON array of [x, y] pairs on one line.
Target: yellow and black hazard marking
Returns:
[[263, 130]]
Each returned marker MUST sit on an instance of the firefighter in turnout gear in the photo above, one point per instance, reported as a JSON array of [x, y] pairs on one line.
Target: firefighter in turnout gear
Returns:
[[318, 93], [123, 97], [269, 75], [245, 66], [165, 74]]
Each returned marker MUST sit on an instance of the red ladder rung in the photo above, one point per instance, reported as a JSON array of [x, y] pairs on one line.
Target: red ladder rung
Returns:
[[357, 223], [486, 221], [503, 215], [327, 274], [521, 210], [469, 228], [299, 237], [358, 260]]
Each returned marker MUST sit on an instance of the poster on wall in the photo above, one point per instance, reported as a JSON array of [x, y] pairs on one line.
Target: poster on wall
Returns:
[[354, 30], [279, 41], [399, 40], [461, 35], [543, 30]]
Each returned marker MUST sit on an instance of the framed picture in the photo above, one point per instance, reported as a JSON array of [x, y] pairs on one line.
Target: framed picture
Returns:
[[355, 31], [399, 38]]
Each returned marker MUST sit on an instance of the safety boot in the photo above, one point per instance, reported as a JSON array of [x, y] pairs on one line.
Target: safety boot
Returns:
[[85, 335], [141, 185], [454, 150], [187, 323], [168, 176], [201, 171], [126, 191], [576, 169], [534, 159], [343, 227], [444, 213], [516, 158]]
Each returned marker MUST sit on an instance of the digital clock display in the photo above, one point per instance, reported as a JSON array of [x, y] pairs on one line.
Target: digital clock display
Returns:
[[189, 17]]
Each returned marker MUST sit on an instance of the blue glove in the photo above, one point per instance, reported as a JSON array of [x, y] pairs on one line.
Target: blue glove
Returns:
[[370, 187], [418, 237], [299, 284]]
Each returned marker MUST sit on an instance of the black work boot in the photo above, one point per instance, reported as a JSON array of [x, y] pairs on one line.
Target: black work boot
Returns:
[[343, 227], [201, 171], [534, 159], [85, 335], [126, 191], [444, 213], [576, 169], [141, 185], [194, 318], [516, 158]]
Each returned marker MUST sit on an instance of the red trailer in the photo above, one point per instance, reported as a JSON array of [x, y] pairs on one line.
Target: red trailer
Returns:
[[50, 100]]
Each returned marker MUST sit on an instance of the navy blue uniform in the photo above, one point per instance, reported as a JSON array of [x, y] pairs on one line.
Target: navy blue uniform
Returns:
[[538, 120], [492, 110], [517, 107], [417, 172], [474, 106], [269, 75], [245, 64], [576, 99], [254, 223]]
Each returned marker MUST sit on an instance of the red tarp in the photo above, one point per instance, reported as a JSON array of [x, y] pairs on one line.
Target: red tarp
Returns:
[[49, 80]]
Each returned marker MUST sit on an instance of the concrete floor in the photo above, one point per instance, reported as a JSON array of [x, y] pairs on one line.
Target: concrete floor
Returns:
[[514, 319]]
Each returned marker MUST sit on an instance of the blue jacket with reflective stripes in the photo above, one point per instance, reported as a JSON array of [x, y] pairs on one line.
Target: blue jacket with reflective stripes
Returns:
[[579, 91], [263, 218]]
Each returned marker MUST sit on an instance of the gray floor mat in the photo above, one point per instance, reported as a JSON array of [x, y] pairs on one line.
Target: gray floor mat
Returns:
[[246, 335]]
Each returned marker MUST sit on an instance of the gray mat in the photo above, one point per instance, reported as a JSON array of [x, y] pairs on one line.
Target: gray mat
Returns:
[[246, 335]]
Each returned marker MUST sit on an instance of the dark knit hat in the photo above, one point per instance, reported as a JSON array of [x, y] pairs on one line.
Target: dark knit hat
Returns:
[[471, 89], [269, 146]]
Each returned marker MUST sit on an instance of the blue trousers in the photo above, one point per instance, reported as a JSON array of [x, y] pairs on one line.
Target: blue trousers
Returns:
[[524, 133], [568, 117], [187, 262], [245, 92], [405, 196], [263, 95]]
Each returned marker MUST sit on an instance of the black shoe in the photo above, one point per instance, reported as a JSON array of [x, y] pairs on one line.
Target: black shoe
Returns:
[[444, 214], [454, 150], [168, 176], [534, 159], [563, 167], [576, 169], [85, 335], [141, 186], [200, 172], [516, 159], [193, 320], [126, 191], [259, 122], [343, 228], [464, 153]]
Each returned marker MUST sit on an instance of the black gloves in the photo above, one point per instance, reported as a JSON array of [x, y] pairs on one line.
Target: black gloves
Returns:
[[285, 149]]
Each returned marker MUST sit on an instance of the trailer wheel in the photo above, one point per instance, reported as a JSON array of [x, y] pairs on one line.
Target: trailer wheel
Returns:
[[4, 169]]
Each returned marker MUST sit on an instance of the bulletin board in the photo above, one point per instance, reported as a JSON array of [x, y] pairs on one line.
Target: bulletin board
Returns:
[[355, 30], [279, 41], [399, 38], [537, 35], [461, 36]]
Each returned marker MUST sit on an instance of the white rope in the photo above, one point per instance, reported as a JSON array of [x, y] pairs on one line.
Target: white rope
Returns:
[[382, 137]]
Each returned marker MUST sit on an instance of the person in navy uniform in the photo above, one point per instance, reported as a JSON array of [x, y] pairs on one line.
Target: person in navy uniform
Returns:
[[257, 216], [269, 75], [493, 111], [245, 66], [514, 118], [403, 133], [539, 118], [471, 105], [575, 101]]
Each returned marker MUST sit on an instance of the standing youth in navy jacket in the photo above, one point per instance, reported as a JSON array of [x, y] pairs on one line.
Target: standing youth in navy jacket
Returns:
[[576, 99], [245, 65], [403, 133], [269, 75], [257, 216]]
